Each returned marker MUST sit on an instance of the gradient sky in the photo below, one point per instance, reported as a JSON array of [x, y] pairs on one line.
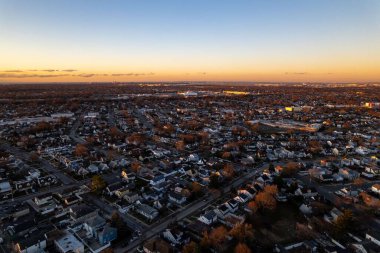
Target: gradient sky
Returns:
[[152, 40]]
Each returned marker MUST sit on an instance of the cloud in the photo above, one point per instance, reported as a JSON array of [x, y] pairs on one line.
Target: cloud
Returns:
[[4, 75], [133, 74], [202, 73], [14, 71], [85, 75], [296, 73], [38, 70], [59, 73]]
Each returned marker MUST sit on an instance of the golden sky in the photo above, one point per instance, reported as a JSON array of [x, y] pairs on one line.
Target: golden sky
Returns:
[[262, 41]]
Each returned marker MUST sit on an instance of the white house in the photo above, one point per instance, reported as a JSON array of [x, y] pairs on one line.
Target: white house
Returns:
[[175, 236], [222, 210], [208, 218], [177, 198], [68, 243], [376, 188], [157, 180], [147, 211]]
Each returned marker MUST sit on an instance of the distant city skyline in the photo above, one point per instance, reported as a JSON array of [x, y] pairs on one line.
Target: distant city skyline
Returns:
[[216, 40]]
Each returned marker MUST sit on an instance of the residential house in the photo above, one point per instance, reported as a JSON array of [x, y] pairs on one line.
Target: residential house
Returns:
[[128, 176], [348, 174], [208, 218], [175, 236], [232, 220], [82, 212], [131, 197], [222, 210], [46, 181], [177, 198], [22, 228], [34, 242], [333, 215], [157, 245], [243, 198], [376, 188], [5, 189], [93, 168], [107, 234], [233, 205], [157, 180], [43, 204], [68, 243], [147, 211], [117, 189], [71, 199], [22, 185], [306, 192]]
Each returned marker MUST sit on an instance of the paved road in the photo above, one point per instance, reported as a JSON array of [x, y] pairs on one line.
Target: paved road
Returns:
[[80, 140], [103, 205], [146, 123], [327, 190], [23, 198], [155, 229], [73, 130], [54, 189], [45, 165]]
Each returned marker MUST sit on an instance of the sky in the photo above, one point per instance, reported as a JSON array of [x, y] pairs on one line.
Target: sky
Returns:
[[190, 40]]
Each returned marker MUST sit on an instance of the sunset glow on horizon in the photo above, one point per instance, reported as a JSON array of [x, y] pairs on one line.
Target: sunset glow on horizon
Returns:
[[256, 41]]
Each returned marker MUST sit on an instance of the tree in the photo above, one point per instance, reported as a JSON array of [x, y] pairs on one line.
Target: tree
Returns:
[[115, 133], [370, 201], [344, 222], [33, 156], [191, 247], [185, 192], [63, 120], [271, 167], [217, 236], [265, 200], [214, 181], [242, 232], [277, 180], [136, 166], [319, 208], [80, 150], [90, 140], [252, 205], [315, 146], [271, 189], [97, 184], [242, 248], [204, 136], [136, 139], [228, 170], [206, 241], [118, 223], [226, 155], [196, 188], [111, 154], [180, 145], [107, 250], [42, 126], [290, 169], [358, 181]]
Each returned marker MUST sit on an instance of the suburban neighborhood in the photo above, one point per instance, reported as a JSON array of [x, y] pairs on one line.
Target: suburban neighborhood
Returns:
[[190, 168]]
